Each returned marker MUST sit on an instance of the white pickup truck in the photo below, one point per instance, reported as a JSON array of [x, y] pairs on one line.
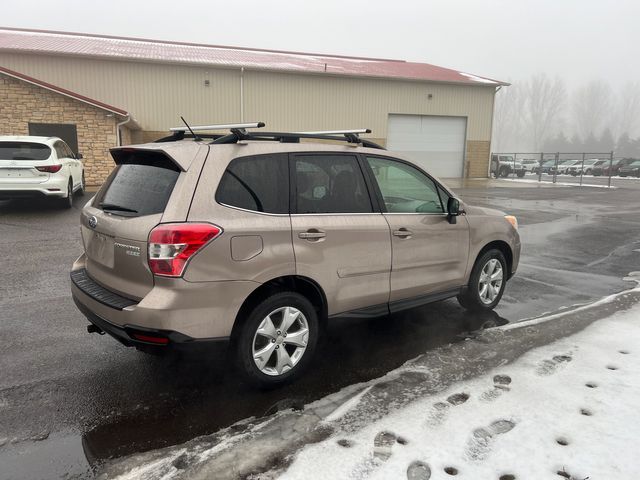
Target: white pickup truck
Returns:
[[504, 165]]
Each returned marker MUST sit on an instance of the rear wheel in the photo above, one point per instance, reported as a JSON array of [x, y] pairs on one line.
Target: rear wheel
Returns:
[[520, 174], [504, 172], [486, 283], [82, 185], [67, 202], [278, 339]]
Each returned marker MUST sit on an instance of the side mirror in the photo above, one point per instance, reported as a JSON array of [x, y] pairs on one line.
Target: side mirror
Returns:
[[453, 209], [79, 156]]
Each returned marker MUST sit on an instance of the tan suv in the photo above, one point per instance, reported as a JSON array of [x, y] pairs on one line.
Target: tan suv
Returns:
[[260, 239]]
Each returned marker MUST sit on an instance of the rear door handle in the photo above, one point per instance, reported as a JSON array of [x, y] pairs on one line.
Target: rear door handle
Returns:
[[312, 234], [402, 233]]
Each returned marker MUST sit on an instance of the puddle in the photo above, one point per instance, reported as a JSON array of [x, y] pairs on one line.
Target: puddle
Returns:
[[60, 455]]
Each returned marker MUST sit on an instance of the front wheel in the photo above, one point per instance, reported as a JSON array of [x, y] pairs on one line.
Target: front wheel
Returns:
[[278, 339], [486, 283], [520, 174]]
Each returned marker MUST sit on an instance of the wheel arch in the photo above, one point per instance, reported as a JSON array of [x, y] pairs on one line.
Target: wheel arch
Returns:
[[305, 286], [503, 247]]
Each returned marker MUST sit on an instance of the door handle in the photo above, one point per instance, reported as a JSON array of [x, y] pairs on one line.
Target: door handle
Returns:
[[402, 233], [312, 234]]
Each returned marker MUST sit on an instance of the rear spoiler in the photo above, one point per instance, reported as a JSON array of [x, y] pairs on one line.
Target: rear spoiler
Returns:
[[181, 154]]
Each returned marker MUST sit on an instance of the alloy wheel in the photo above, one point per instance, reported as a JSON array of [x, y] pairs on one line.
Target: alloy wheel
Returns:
[[491, 277], [280, 341]]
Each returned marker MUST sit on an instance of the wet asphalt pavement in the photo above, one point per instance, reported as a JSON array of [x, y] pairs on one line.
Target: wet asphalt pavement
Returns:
[[70, 400]]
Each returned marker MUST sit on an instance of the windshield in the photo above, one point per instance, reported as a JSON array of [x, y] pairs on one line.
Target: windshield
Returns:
[[24, 151]]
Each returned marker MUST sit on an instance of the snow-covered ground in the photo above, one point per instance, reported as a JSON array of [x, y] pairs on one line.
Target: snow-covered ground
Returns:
[[568, 409], [521, 401]]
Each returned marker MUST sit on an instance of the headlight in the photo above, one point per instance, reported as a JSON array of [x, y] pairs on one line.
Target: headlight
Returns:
[[512, 220]]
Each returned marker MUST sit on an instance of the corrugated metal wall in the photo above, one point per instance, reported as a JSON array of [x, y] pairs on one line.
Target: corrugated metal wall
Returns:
[[157, 94]]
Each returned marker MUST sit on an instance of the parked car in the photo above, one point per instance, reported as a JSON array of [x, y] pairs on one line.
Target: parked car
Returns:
[[262, 242], [504, 165], [39, 167], [588, 166], [631, 170], [528, 164], [565, 165], [547, 167], [612, 169]]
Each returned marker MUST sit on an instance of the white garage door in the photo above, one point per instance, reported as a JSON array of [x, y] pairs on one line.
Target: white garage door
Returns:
[[435, 143]]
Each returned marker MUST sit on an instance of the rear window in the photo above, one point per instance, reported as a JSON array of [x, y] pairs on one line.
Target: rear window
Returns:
[[259, 183], [140, 185], [24, 151]]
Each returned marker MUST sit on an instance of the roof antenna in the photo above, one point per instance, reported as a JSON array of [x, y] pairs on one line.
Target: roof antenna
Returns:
[[195, 137]]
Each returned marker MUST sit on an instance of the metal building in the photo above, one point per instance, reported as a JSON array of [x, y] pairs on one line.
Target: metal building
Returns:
[[441, 117]]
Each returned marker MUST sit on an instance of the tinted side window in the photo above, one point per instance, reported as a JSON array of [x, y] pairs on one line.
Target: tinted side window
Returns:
[[60, 151], [259, 183], [404, 188], [330, 184]]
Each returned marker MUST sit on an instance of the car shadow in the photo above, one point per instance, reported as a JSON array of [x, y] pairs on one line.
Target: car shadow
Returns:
[[182, 396]]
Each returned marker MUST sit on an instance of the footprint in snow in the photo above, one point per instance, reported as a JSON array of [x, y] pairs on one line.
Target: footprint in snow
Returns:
[[383, 444], [439, 409], [550, 366], [479, 445], [500, 385], [418, 471]]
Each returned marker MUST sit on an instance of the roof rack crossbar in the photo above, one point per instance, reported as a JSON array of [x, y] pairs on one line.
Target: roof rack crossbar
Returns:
[[338, 132], [294, 137], [226, 126]]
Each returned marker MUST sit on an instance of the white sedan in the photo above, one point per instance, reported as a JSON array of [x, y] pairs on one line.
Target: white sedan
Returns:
[[39, 167]]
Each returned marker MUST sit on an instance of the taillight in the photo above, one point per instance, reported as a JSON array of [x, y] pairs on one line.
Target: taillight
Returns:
[[50, 168], [171, 245]]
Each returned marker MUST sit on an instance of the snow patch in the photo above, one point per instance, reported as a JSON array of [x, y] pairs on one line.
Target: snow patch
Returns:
[[576, 420], [562, 184], [475, 78]]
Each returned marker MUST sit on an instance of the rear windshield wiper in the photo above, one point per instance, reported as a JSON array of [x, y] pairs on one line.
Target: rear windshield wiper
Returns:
[[119, 208]]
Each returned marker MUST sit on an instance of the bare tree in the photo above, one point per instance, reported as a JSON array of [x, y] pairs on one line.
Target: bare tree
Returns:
[[507, 119], [628, 111], [545, 101], [592, 108]]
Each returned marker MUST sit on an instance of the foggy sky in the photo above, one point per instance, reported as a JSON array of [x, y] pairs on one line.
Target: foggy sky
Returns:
[[501, 39]]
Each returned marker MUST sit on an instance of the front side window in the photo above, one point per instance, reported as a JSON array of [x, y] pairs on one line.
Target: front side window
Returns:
[[259, 183], [330, 184], [404, 188]]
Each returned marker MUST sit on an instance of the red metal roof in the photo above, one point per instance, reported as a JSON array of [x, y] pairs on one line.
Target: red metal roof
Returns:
[[62, 91], [78, 44]]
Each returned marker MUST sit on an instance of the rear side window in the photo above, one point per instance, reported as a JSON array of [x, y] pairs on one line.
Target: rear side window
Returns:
[[24, 151], [330, 184], [140, 185], [259, 183]]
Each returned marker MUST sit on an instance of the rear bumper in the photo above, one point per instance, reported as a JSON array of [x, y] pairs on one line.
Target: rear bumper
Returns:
[[54, 187], [184, 312], [126, 334]]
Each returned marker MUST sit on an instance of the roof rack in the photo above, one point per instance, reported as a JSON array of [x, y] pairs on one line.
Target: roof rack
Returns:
[[180, 133], [350, 136], [224, 126]]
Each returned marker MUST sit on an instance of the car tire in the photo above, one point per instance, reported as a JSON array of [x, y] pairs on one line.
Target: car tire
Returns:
[[67, 202], [282, 359], [504, 172], [474, 297], [520, 174], [81, 190]]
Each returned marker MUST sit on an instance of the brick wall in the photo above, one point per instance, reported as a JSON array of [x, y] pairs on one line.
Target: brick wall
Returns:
[[477, 161], [21, 103]]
